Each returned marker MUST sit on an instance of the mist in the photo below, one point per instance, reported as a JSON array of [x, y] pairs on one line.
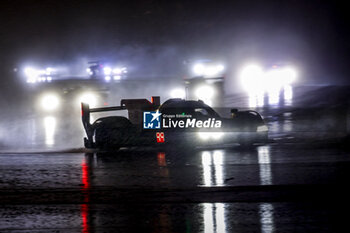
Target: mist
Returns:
[[154, 40]]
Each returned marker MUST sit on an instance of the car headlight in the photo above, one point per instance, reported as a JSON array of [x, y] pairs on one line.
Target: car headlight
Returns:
[[262, 128], [210, 135], [31, 74], [88, 98], [117, 71], [214, 70], [198, 69], [208, 70], [107, 70], [50, 102], [251, 76]]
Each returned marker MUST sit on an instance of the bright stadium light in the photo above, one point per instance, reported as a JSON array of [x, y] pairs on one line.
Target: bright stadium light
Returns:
[[50, 102], [108, 78], [178, 93]]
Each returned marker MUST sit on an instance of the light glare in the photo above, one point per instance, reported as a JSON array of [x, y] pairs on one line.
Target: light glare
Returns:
[[107, 70], [251, 76], [210, 135], [205, 92], [178, 93], [198, 69], [50, 102], [88, 98]]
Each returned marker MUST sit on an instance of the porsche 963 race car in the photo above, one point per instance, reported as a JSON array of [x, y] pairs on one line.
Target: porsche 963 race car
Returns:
[[175, 122]]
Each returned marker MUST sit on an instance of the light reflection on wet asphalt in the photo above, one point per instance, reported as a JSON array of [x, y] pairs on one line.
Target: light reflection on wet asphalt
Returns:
[[127, 169], [179, 217], [230, 167]]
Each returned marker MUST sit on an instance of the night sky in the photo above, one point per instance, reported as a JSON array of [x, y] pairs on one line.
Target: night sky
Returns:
[[313, 35]]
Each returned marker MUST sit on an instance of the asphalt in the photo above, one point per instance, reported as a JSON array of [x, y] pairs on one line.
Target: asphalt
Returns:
[[276, 187]]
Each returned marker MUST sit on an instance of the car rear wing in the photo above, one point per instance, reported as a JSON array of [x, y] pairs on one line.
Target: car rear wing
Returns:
[[86, 110], [134, 107]]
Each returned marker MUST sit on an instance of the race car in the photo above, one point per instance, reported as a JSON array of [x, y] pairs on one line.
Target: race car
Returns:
[[175, 122], [205, 80], [33, 75], [205, 68], [210, 90], [99, 70]]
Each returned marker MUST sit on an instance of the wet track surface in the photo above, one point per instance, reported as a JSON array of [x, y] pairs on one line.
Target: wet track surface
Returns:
[[268, 188], [295, 183], [174, 169]]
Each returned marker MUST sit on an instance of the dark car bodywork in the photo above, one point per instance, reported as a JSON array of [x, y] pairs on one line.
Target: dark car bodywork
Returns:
[[113, 132]]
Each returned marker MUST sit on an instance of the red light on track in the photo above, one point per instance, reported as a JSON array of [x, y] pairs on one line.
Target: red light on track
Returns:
[[161, 159], [85, 190], [85, 218], [85, 176]]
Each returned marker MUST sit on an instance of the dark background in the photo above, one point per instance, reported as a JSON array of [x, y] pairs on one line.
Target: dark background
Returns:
[[159, 35]]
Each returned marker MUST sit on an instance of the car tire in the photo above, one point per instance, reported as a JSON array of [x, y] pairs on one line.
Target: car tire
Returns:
[[111, 132]]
